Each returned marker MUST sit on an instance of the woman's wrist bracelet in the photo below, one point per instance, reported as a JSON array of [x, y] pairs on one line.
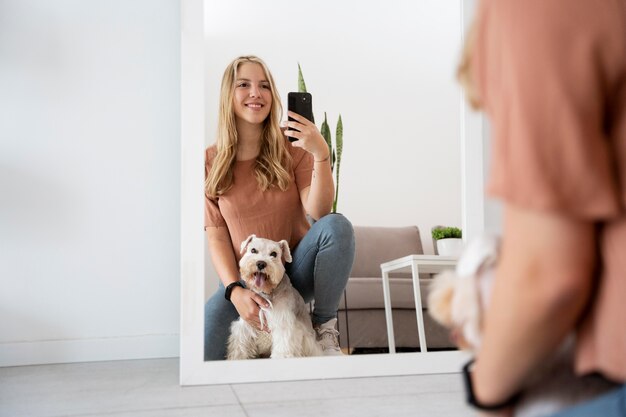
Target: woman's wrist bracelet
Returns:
[[229, 288], [322, 160], [471, 396]]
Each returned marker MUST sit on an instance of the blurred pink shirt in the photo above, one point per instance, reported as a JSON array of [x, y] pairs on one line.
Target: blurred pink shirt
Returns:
[[551, 75]]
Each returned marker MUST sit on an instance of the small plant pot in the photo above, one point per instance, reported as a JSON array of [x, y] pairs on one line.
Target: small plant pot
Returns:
[[450, 247]]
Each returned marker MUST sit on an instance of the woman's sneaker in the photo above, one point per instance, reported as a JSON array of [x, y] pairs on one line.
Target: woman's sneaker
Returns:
[[327, 338]]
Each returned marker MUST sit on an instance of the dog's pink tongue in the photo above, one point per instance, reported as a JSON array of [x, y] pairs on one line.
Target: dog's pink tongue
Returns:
[[259, 279]]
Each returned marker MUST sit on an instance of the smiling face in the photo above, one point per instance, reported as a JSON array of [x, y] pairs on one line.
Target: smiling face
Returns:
[[252, 98], [261, 266]]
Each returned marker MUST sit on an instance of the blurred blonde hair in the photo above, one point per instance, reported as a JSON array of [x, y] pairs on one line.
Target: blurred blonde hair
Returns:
[[464, 69], [272, 165]]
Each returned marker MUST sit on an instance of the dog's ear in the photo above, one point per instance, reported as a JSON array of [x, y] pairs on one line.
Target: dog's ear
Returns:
[[440, 297], [245, 243], [284, 246]]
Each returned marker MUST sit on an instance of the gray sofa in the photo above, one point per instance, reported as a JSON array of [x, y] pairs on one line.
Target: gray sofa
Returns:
[[361, 315]]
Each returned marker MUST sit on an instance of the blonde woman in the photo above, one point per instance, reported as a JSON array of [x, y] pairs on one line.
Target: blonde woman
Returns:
[[257, 182]]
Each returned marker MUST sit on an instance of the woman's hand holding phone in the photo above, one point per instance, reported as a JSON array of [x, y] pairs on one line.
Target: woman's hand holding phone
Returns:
[[301, 104], [307, 135], [301, 130]]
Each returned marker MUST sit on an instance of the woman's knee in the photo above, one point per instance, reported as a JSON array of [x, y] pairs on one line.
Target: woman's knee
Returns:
[[337, 226]]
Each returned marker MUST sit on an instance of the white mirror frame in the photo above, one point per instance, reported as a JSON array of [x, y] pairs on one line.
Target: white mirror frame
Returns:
[[193, 369]]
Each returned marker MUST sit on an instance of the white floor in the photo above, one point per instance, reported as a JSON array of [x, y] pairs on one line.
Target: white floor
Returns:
[[149, 388]]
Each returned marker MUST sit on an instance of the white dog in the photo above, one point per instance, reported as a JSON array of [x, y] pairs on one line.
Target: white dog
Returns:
[[458, 299], [290, 332]]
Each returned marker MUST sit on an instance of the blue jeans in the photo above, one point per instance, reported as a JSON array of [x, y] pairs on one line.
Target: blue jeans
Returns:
[[612, 404], [320, 268]]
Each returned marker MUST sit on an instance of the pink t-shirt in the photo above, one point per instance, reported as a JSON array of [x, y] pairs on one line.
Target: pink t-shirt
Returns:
[[271, 214], [552, 77]]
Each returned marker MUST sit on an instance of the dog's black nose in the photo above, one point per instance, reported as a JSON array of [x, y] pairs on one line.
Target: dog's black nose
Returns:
[[261, 265]]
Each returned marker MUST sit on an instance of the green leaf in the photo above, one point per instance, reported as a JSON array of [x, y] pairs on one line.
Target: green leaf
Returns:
[[446, 233], [301, 84], [339, 148], [325, 131], [339, 140]]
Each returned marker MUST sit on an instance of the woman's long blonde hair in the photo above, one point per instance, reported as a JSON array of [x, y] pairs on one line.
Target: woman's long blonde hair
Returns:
[[273, 163]]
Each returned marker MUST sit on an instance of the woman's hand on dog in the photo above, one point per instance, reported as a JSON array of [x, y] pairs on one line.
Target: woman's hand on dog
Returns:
[[248, 305]]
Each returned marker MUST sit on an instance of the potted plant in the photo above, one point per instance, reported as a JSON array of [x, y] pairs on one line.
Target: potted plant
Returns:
[[448, 240]]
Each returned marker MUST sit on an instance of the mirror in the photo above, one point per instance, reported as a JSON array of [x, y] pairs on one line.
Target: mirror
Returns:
[[388, 70]]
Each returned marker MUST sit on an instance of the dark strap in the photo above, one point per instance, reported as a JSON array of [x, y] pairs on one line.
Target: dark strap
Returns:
[[473, 401], [229, 288]]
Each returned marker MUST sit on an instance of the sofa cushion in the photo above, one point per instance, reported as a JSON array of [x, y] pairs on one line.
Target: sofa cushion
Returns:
[[377, 245]]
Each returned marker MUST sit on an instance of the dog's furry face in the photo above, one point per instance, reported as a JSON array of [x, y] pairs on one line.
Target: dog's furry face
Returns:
[[458, 299], [261, 266]]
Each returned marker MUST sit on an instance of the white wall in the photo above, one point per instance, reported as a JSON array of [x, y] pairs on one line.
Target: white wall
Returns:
[[89, 180], [388, 68]]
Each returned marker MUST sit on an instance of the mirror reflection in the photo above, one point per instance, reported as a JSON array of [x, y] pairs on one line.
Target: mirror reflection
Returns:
[[389, 73]]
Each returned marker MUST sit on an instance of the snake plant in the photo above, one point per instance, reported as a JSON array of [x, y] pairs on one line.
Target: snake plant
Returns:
[[301, 84], [339, 151]]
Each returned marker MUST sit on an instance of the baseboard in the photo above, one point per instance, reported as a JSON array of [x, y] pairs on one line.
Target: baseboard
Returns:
[[89, 350]]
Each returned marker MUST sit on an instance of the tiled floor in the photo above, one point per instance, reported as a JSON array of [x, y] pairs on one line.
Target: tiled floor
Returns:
[[149, 388]]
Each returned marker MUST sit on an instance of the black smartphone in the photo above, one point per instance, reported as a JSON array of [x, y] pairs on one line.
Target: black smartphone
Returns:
[[301, 103]]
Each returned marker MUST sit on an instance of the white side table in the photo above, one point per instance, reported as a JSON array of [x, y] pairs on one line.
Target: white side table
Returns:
[[428, 264]]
